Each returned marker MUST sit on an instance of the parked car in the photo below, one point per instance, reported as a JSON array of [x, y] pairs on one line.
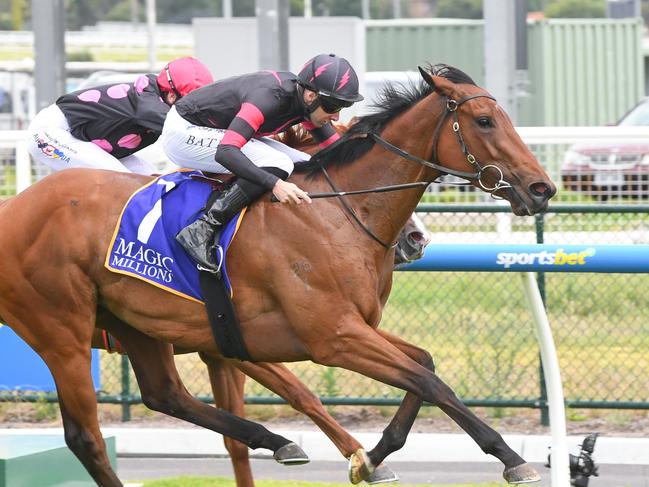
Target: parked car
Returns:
[[605, 169]]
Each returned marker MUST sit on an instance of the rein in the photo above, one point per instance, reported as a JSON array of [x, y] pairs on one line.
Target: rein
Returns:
[[451, 110]]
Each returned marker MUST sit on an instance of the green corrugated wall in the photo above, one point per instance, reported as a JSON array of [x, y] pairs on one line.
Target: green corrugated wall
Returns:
[[403, 45], [581, 72]]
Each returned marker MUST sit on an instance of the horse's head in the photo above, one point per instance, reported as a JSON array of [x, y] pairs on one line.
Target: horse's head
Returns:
[[478, 136]]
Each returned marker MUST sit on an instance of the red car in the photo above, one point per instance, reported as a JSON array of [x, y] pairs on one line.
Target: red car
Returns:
[[606, 169]]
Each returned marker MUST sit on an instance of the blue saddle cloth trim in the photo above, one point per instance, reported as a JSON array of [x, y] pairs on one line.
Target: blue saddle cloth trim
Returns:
[[144, 244]]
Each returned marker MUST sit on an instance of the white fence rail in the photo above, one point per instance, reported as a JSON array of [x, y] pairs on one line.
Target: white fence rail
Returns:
[[626, 155]]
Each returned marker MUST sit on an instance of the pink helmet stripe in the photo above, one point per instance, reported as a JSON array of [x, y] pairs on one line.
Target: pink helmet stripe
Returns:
[[343, 80], [321, 69]]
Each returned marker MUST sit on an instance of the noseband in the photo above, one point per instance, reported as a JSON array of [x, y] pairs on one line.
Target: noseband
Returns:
[[451, 110]]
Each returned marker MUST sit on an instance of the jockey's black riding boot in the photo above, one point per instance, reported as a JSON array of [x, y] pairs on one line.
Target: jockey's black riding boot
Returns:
[[199, 238]]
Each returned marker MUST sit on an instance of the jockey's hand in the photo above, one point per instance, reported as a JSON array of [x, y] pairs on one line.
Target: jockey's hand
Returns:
[[289, 193]]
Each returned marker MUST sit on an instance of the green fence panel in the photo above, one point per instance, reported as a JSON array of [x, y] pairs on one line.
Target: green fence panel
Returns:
[[403, 45], [582, 72]]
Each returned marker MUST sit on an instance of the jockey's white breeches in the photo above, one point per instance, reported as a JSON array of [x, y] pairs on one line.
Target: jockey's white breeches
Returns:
[[50, 142], [193, 146]]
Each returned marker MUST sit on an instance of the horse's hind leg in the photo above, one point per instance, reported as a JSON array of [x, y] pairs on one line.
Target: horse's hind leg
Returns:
[[227, 388], [163, 391]]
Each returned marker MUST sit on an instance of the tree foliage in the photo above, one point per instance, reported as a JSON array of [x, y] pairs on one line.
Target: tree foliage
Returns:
[[460, 9], [576, 8], [17, 13]]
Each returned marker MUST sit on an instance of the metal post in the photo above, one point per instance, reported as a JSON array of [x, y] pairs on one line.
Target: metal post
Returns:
[[396, 9], [272, 26], [365, 8], [126, 389], [48, 20], [151, 23], [284, 10], [539, 223], [227, 9], [134, 14], [499, 52]]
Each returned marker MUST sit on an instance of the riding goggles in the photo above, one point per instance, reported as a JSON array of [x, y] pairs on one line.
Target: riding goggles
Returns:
[[333, 105]]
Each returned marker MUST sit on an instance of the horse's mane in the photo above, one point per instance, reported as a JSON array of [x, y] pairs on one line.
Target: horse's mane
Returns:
[[392, 100]]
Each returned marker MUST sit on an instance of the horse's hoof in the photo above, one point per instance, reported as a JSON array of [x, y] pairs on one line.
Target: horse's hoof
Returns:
[[382, 475], [291, 454], [522, 474], [360, 466]]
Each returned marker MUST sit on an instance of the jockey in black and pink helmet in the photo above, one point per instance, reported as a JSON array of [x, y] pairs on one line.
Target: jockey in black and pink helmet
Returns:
[[333, 79], [224, 128]]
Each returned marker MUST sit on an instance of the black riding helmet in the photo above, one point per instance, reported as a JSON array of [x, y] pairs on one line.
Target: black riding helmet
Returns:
[[333, 79]]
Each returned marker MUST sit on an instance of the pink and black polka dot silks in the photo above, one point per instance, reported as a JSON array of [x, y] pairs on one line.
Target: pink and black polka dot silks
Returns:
[[119, 118]]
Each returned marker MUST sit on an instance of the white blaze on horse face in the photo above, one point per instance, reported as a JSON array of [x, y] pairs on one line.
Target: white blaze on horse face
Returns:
[[416, 233], [414, 238]]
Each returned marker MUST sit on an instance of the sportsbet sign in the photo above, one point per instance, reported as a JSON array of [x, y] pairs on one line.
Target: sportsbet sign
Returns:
[[533, 258], [544, 257]]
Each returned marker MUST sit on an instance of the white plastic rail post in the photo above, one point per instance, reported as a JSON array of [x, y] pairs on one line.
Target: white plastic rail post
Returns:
[[23, 167], [559, 459]]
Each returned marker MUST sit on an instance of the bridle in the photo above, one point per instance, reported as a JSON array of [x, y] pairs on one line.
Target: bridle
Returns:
[[451, 111]]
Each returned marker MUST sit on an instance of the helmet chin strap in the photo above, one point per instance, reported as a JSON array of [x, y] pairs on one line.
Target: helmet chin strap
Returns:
[[309, 109], [315, 104]]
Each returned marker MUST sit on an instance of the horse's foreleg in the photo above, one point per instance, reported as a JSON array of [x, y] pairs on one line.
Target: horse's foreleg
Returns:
[[394, 436], [163, 391], [279, 379], [227, 388], [62, 339], [361, 349], [78, 405]]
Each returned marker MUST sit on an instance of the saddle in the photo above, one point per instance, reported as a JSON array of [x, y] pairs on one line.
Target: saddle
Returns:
[[143, 246]]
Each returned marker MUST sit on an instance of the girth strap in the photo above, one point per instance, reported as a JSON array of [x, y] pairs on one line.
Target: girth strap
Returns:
[[223, 318]]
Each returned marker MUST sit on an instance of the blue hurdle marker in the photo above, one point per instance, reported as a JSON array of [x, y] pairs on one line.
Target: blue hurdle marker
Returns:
[[528, 259]]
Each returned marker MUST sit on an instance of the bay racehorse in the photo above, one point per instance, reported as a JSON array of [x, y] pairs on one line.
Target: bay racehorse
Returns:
[[316, 293], [227, 377]]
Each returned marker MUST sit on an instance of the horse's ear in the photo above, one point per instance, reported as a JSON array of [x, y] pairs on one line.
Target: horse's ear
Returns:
[[438, 83], [427, 77]]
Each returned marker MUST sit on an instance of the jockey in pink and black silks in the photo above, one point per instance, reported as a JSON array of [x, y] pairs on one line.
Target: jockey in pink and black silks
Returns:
[[105, 126], [223, 128]]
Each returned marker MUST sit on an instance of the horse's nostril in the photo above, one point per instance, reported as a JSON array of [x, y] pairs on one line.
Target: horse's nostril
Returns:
[[416, 237], [541, 190]]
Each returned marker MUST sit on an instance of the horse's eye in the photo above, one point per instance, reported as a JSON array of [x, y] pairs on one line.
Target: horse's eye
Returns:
[[484, 122]]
